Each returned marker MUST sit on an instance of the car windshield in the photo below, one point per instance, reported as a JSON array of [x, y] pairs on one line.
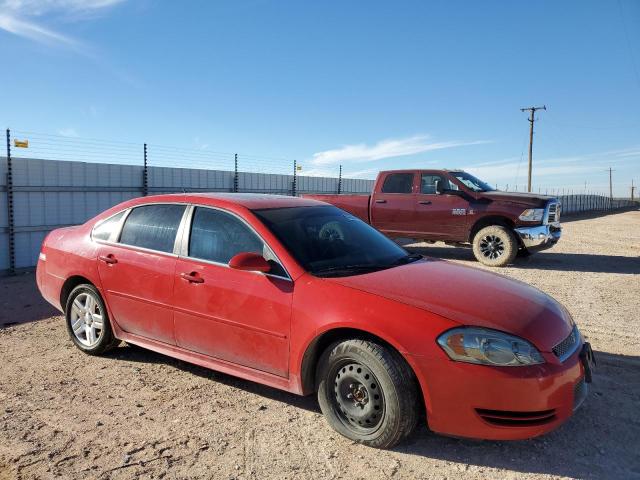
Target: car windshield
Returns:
[[330, 242], [472, 182]]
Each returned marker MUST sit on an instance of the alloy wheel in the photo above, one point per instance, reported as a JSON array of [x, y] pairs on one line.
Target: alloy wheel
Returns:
[[86, 319]]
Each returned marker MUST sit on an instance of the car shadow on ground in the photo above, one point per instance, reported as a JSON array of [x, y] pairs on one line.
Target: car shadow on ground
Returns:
[[546, 260], [599, 441], [133, 353]]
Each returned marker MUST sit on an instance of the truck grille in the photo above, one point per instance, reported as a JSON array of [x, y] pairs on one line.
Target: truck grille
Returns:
[[553, 215], [566, 347]]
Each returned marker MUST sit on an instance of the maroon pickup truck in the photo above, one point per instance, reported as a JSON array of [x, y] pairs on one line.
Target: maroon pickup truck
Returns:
[[455, 207]]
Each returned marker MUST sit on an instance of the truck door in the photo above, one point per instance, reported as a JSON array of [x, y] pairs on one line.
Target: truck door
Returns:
[[440, 216], [393, 203]]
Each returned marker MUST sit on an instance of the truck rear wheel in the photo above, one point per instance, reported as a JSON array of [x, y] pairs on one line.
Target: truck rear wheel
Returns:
[[495, 246]]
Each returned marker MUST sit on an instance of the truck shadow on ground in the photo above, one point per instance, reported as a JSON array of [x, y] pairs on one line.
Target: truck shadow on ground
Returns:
[[600, 441], [546, 260]]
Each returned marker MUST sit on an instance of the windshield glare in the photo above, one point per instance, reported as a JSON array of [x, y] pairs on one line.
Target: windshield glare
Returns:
[[472, 182], [328, 241]]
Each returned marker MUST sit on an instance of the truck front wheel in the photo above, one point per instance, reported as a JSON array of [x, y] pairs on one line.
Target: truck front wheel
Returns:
[[495, 246]]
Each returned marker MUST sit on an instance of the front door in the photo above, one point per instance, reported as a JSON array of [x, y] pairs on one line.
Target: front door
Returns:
[[442, 216], [137, 271], [237, 316]]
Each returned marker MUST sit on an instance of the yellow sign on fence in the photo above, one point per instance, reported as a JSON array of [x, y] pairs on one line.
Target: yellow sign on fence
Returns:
[[21, 143]]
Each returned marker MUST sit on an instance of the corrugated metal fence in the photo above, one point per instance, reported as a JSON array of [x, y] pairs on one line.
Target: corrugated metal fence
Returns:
[[51, 193]]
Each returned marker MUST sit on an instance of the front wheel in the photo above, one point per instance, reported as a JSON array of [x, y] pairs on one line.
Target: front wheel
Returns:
[[367, 392], [495, 246]]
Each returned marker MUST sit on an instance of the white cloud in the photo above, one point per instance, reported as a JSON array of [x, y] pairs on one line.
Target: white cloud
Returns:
[[17, 18], [68, 132], [383, 149]]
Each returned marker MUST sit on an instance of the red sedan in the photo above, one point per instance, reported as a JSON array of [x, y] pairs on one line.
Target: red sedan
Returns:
[[302, 296]]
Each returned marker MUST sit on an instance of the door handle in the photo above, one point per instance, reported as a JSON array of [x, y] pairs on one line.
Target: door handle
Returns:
[[425, 202], [192, 277], [381, 201], [108, 259]]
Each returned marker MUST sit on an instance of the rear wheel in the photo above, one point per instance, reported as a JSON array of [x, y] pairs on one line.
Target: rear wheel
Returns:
[[495, 246], [367, 393], [87, 320]]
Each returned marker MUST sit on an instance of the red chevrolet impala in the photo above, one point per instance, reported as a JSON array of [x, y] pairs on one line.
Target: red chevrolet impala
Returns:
[[302, 296]]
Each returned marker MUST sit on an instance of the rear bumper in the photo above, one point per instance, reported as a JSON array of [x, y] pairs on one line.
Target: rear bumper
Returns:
[[508, 403], [539, 237]]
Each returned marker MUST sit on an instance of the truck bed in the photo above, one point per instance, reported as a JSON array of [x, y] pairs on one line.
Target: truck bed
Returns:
[[357, 205]]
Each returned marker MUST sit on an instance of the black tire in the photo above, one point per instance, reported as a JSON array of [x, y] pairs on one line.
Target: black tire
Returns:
[[104, 340], [495, 246], [385, 408]]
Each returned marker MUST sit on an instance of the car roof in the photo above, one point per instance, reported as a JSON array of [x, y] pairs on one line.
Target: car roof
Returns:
[[252, 201]]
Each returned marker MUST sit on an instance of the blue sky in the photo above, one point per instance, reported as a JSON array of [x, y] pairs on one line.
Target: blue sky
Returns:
[[369, 85]]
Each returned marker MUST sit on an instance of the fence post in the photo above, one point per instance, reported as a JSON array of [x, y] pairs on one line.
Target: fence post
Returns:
[[340, 181], [235, 173], [145, 174], [295, 177], [10, 219]]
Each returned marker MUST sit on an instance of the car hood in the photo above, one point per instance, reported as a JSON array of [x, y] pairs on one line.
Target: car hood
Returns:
[[470, 296], [528, 199]]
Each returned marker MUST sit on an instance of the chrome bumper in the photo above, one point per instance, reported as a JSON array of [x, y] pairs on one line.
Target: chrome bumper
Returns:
[[539, 237]]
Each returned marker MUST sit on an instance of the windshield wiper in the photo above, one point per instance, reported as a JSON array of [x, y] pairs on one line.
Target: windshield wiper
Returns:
[[367, 267]]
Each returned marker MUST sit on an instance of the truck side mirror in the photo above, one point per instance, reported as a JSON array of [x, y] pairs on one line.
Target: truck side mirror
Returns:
[[439, 187]]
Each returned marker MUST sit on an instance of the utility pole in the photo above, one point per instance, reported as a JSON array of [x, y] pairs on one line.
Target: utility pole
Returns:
[[632, 189], [532, 119], [610, 184]]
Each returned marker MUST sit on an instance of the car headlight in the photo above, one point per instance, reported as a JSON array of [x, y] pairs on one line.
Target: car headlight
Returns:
[[532, 215], [488, 347]]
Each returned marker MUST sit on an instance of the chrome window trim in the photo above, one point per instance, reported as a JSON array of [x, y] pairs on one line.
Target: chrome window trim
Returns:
[[186, 235]]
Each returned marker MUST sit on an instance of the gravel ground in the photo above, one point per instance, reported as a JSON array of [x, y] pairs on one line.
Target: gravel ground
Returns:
[[135, 413]]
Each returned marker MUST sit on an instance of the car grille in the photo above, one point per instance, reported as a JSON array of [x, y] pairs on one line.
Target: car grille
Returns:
[[505, 418], [580, 391], [553, 214], [566, 347]]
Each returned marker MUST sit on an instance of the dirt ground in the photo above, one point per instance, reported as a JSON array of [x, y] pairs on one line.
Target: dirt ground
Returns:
[[137, 414]]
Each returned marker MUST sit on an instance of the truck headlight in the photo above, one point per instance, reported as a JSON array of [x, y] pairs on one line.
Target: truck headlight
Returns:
[[532, 215], [488, 347]]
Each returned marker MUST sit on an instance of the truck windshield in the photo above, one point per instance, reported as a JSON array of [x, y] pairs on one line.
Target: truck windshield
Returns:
[[472, 182], [329, 242]]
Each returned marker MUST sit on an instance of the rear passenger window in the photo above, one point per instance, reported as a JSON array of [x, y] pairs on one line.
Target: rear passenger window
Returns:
[[398, 183], [103, 230], [153, 227], [218, 236]]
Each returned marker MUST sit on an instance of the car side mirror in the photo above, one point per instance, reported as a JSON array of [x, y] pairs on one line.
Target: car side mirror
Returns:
[[249, 262], [439, 187]]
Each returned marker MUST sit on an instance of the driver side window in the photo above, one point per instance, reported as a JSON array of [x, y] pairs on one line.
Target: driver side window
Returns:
[[429, 182]]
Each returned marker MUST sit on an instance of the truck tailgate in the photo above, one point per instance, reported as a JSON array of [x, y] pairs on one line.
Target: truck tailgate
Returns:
[[357, 205]]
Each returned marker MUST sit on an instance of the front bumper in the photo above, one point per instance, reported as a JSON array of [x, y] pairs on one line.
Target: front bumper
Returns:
[[500, 403], [539, 237]]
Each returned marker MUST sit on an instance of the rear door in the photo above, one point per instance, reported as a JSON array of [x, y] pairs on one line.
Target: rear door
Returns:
[[237, 316], [137, 270], [440, 215], [392, 207]]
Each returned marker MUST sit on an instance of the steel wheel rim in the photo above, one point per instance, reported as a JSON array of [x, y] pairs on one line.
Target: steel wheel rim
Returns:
[[357, 399], [492, 247], [86, 319]]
